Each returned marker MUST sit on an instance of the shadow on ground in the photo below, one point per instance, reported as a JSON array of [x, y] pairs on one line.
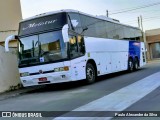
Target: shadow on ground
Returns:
[[76, 84]]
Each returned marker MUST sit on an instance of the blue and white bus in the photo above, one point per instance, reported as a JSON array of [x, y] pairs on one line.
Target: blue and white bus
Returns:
[[69, 45]]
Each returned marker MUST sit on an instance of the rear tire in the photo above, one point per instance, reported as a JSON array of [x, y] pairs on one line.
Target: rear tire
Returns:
[[90, 73], [136, 65], [130, 65]]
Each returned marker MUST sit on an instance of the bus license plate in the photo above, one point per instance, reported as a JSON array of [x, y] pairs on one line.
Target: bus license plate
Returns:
[[42, 79]]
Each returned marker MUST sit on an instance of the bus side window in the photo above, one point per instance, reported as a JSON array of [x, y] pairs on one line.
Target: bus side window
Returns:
[[73, 47], [77, 47], [81, 45]]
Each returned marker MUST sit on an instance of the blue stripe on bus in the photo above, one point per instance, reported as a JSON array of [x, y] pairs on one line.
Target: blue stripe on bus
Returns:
[[134, 49]]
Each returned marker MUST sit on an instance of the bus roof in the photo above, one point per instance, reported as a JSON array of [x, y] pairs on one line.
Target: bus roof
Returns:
[[76, 11]]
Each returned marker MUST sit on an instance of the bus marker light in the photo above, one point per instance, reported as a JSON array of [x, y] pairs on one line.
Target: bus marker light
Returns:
[[88, 54], [66, 68]]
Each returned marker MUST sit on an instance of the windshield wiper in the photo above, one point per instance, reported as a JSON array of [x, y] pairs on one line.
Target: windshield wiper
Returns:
[[39, 48], [28, 61]]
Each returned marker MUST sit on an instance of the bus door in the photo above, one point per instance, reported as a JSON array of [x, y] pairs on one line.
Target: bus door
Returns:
[[77, 52]]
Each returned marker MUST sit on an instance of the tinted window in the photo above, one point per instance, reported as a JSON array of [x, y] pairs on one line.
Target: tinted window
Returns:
[[81, 46], [118, 32], [95, 27], [75, 22], [90, 24], [110, 30], [73, 47], [126, 33], [100, 29], [77, 47]]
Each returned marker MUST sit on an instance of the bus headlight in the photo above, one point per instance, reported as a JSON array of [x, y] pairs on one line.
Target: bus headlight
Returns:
[[24, 74], [66, 68]]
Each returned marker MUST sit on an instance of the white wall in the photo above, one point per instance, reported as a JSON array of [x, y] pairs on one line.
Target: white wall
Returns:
[[9, 75]]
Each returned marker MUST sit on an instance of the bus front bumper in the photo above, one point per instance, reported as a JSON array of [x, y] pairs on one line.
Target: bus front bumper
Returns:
[[46, 79]]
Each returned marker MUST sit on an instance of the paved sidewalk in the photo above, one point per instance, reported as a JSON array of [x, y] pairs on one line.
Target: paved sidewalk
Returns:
[[10, 94], [154, 61]]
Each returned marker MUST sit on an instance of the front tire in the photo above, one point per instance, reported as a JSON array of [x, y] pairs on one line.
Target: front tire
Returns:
[[90, 73]]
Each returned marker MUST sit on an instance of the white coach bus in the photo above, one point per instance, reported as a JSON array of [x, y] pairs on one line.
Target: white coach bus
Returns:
[[69, 45]]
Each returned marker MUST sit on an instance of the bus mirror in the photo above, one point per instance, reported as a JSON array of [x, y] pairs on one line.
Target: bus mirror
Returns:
[[84, 29], [65, 33], [9, 38]]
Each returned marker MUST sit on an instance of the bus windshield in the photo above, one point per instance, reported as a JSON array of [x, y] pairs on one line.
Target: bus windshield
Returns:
[[42, 48]]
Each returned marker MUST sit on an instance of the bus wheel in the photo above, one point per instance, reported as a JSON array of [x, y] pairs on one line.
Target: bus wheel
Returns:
[[90, 73], [135, 64], [130, 65]]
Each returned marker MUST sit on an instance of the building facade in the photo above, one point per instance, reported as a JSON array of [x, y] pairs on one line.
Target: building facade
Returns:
[[10, 12], [153, 43]]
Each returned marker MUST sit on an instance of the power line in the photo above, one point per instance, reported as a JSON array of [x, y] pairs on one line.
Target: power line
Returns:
[[145, 20], [145, 15], [136, 8], [151, 19], [147, 11]]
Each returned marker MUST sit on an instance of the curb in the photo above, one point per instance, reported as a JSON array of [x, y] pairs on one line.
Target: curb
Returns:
[[11, 94]]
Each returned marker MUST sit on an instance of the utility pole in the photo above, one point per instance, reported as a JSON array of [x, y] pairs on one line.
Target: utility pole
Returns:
[[107, 13], [139, 23], [143, 34]]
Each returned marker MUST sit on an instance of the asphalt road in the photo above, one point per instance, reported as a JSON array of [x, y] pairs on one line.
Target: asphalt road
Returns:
[[69, 96]]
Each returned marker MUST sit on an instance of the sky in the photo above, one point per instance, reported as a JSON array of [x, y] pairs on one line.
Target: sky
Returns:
[[148, 9]]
